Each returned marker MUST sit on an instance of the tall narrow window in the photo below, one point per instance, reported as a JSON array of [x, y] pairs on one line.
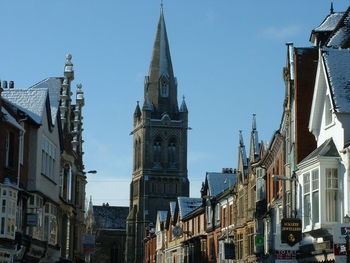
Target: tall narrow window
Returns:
[[164, 87], [306, 199], [157, 150], [172, 153], [9, 155], [332, 194], [139, 153], [315, 196]]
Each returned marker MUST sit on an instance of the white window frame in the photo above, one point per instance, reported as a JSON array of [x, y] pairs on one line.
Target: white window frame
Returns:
[[35, 206], [50, 223], [8, 211], [332, 185], [48, 158]]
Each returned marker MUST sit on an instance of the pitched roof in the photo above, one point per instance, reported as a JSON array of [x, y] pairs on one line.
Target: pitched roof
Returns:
[[340, 35], [330, 22], [162, 215], [219, 182], [188, 204], [31, 101], [110, 217], [327, 148], [337, 63], [53, 85], [10, 119], [172, 206]]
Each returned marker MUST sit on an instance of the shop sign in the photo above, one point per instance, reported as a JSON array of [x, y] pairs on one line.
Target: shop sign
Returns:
[[291, 231], [37, 249], [339, 244], [286, 255], [229, 250], [89, 244], [32, 219]]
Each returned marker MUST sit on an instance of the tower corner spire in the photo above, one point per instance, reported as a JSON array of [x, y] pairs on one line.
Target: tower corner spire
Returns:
[[332, 9]]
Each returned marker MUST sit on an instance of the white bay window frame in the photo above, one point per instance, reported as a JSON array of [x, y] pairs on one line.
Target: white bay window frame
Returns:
[[8, 197]]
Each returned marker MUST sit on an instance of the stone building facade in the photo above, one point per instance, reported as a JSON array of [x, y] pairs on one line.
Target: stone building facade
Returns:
[[160, 147]]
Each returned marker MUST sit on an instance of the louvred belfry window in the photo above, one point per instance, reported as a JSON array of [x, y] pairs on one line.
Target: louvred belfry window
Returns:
[[164, 88], [157, 150]]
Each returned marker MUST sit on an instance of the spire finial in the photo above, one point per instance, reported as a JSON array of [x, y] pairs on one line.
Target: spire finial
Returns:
[[161, 6], [254, 122], [241, 138], [183, 97], [137, 102], [332, 9]]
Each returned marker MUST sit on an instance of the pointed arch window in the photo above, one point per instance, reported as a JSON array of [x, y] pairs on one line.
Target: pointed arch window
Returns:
[[172, 152], [157, 145], [139, 153], [164, 87]]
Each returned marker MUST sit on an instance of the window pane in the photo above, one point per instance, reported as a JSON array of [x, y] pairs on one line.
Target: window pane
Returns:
[[306, 183], [315, 210], [306, 210], [315, 179]]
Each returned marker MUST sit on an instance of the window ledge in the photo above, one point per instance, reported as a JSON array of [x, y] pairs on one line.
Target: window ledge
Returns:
[[48, 178]]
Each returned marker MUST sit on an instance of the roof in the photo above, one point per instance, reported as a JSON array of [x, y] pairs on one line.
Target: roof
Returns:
[[110, 217], [172, 206], [53, 85], [219, 182], [30, 101], [162, 215], [188, 204], [326, 149], [330, 22], [10, 119], [337, 63]]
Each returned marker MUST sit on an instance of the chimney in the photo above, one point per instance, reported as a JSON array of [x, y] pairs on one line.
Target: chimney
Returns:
[[12, 84], [227, 170]]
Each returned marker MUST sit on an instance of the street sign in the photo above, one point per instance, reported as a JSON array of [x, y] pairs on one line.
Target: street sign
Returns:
[[259, 240], [291, 231]]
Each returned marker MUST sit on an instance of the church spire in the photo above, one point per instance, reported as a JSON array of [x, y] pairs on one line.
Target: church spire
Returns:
[[332, 9], [161, 86]]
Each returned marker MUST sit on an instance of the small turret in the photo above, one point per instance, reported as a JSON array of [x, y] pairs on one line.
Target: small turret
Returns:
[[183, 107]]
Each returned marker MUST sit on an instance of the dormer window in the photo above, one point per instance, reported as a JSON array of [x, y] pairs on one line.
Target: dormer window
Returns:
[[164, 87]]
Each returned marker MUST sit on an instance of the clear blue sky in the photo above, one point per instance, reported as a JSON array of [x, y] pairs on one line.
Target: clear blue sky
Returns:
[[227, 56]]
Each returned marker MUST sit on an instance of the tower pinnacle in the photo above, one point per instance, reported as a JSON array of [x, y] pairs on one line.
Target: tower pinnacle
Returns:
[[332, 9]]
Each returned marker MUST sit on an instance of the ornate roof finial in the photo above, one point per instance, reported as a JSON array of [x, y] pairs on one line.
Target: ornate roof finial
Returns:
[[68, 59], [161, 5], [183, 107], [332, 9]]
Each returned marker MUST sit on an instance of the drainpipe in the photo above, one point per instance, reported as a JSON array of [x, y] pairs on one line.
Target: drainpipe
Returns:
[[20, 148]]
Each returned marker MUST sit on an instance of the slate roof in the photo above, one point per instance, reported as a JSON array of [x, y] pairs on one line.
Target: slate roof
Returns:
[[337, 62], [172, 206], [330, 22], [10, 119], [53, 85], [188, 204], [110, 217], [219, 182], [31, 101], [162, 215], [327, 148], [341, 33]]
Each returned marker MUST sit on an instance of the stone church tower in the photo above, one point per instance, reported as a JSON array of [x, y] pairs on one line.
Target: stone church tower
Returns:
[[160, 147]]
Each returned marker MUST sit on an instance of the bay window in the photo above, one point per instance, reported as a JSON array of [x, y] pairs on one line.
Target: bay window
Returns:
[[306, 199], [331, 194], [50, 223], [8, 212]]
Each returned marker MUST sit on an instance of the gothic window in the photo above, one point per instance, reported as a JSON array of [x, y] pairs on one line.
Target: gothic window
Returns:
[[135, 155], [172, 153], [164, 88], [139, 153], [157, 150]]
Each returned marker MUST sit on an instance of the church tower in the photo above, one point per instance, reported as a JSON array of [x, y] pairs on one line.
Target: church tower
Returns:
[[160, 147]]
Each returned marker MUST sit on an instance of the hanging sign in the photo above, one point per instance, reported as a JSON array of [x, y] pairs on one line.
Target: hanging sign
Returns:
[[291, 231]]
